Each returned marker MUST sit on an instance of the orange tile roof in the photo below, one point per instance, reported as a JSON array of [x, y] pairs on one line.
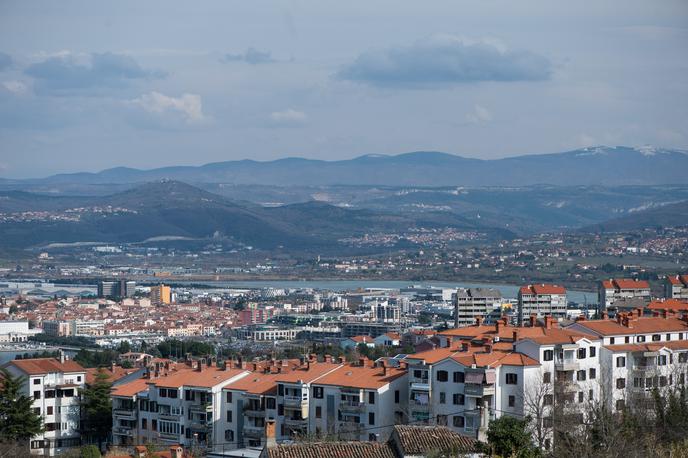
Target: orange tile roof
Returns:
[[207, 378], [652, 346], [624, 283], [643, 325], [551, 336], [361, 377], [548, 289], [361, 339], [130, 389], [255, 383], [307, 375], [494, 359], [669, 304], [433, 356], [39, 366]]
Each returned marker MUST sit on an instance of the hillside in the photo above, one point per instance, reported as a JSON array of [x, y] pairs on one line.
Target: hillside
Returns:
[[588, 166], [172, 209], [665, 216]]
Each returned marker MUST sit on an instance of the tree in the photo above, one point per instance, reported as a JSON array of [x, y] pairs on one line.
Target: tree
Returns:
[[509, 437], [127, 364], [17, 418], [13, 309], [124, 347], [97, 409]]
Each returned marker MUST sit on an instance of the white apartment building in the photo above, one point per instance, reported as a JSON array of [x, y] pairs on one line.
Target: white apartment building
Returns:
[[541, 300], [609, 291], [676, 287], [474, 302], [16, 331], [54, 385]]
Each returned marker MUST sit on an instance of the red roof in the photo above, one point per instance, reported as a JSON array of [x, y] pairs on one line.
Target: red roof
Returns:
[[624, 283], [669, 304], [542, 289], [40, 366]]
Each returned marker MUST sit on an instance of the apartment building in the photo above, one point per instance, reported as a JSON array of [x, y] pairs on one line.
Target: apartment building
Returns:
[[474, 302], [160, 295], [359, 401], [54, 385], [676, 287], [615, 289], [57, 328], [541, 300]]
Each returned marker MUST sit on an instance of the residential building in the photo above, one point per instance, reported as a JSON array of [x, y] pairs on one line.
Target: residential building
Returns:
[[614, 289], [473, 302], [54, 385], [676, 287], [541, 300], [160, 295], [58, 328]]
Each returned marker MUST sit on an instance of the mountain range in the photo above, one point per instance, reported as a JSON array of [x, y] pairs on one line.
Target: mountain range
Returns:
[[611, 166]]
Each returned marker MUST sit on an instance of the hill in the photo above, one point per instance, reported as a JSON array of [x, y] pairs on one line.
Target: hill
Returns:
[[610, 166], [175, 210], [670, 215]]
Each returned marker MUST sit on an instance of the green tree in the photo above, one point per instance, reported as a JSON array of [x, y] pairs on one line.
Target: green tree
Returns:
[[97, 409], [509, 437], [90, 451], [126, 364], [17, 418], [13, 309]]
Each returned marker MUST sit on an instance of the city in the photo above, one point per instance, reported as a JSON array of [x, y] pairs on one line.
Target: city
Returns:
[[320, 229]]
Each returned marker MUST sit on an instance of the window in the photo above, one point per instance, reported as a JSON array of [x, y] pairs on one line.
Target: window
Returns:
[[318, 412], [172, 394], [280, 409], [656, 337], [620, 383], [229, 435], [189, 395], [591, 394], [620, 404], [662, 360], [548, 399], [512, 401], [270, 403], [547, 377], [442, 376], [318, 392], [441, 420], [580, 375], [36, 381], [229, 416], [371, 397], [37, 410], [680, 336], [371, 418], [458, 399], [683, 357], [593, 352], [144, 423], [154, 425], [627, 339], [620, 361], [280, 389], [459, 377], [162, 392], [581, 397], [372, 437], [50, 410], [641, 339], [668, 337], [458, 421], [611, 340], [662, 381], [36, 394], [511, 379], [592, 373], [582, 353], [417, 373], [548, 355], [443, 397], [78, 378], [396, 396]]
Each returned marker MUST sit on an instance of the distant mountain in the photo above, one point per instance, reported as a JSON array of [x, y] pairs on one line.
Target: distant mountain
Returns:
[[177, 211], [588, 166], [665, 216]]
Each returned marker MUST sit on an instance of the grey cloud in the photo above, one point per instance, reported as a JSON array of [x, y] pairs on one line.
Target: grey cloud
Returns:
[[445, 60], [250, 56], [5, 61], [103, 70]]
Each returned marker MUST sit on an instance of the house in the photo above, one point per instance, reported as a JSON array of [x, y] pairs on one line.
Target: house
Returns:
[[389, 339], [353, 342]]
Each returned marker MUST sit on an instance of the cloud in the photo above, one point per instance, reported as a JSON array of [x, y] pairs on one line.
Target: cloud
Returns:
[[445, 60], [66, 72], [250, 56], [15, 87], [479, 115], [5, 61], [288, 118], [188, 106]]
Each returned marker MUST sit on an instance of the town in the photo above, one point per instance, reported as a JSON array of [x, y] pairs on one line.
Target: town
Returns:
[[229, 372]]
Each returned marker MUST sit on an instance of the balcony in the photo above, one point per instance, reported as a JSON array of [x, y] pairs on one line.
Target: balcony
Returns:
[[254, 412], [124, 413], [292, 401], [203, 408], [254, 432], [295, 422], [350, 427], [355, 407], [566, 364], [419, 406], [120, 431], [476, 390]]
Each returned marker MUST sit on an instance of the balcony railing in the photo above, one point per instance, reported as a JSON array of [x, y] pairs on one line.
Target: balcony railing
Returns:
[[124, 412], [123, 431], [566, 364], [419, 406], [295, 422], [477, 390], [293, 401], [346, 406], [254, 432], [205, 407], [254, 412]]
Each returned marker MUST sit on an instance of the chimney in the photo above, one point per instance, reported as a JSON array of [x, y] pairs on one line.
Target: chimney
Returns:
[[62, 356], [505, 320], [478, 321], [665, 313], [464, 346], [270, 428], [328, 358], [176, 451], [549, 322], [620, 317], [403, 365], [498, 326], [515, 335], [384, 371], [533, 320], [655, 313], [581, 317], [605, 315], [113, 366], [639, 311]]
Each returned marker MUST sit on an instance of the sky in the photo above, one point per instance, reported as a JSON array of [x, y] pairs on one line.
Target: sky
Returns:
[[86, 86]]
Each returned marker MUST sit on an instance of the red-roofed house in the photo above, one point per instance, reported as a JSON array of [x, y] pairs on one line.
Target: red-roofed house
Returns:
[[541, 300], [614, 289], [676, 287]]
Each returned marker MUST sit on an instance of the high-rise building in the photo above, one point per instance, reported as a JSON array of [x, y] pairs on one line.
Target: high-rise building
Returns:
[[541, 300], [676, 287], [160, 295], [116, 289], [474, 302], [610, 291]]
